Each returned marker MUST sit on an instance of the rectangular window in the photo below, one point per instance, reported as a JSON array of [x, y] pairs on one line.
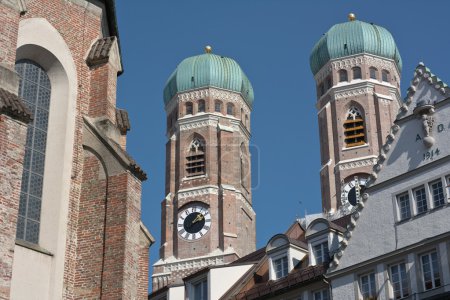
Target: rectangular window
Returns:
[[399, 281], [437, 192], [404, 206], [430, 271], [200, 290], [280, 267], [321, 253], [322, 295], [421, 200], [367, 286]]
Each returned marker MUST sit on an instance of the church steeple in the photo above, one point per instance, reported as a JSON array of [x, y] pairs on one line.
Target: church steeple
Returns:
[[357, 69], [207, 214]]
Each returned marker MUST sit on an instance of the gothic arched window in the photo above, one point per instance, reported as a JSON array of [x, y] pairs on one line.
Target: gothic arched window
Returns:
[[230, 109], [35, 89], [201, 105], [354, 128], [195, 160], [343, 76], [373, 72], [189, 109], [356, 73], [385, 75]]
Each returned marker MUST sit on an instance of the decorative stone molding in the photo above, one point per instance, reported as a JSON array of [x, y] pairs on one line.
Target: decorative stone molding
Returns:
[[172, 264], [196, 192], [197, 124], [357, 163], [353, 92], [208, 92]]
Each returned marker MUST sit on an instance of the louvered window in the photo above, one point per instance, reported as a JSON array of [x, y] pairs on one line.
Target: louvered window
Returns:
[[354, 129], [195, 164]]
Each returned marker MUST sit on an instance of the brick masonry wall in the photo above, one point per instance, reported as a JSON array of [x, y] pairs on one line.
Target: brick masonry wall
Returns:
[[90, 235], [12, 151], [9, 18], [80, 26]]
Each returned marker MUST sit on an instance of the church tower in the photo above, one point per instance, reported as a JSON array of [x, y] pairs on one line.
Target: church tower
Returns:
[[356, 66], [207, 216]]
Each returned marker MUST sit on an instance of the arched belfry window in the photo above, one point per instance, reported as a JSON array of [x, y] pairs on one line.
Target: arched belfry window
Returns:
[[189, 108], [35, 89], [195, 160], [356, 73], [385, 76], [354, 128], [230, 109], [201, 105], [343, 76], [373, 72]]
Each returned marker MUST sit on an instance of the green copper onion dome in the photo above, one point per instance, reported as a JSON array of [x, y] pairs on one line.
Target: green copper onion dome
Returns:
[[208, 70], [354, 37]]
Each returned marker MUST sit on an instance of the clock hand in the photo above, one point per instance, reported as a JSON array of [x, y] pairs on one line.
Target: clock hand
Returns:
[[198, 218]]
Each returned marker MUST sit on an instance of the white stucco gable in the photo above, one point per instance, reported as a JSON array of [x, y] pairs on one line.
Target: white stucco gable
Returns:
[[405, 163]]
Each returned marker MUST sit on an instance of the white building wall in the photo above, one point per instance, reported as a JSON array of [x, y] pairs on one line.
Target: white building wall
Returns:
[[221, 279]]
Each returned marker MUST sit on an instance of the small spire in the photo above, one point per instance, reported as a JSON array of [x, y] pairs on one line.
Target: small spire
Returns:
[[208, 49], [351, 17]]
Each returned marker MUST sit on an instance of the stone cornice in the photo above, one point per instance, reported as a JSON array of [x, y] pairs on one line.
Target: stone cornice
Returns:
[[356, 163], [172, 264], [197, 191]]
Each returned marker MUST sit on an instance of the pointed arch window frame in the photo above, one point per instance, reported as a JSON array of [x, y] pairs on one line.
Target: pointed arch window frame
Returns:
[[196, 158], [354, 128]]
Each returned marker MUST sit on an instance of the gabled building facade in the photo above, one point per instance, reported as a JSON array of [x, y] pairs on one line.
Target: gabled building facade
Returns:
[[407, 201]]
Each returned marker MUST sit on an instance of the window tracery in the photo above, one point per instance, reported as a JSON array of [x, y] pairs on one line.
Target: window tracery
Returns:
[[195, 160], [354, 128]]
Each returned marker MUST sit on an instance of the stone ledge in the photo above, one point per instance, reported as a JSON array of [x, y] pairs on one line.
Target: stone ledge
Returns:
[[33, 247]]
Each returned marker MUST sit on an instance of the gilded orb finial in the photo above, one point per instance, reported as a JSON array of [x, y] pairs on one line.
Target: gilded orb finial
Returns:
[[208, 49], [351, 17]]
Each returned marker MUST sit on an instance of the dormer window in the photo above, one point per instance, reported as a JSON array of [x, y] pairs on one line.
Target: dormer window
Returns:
[[280, 266], [321, 253], [284, 254]]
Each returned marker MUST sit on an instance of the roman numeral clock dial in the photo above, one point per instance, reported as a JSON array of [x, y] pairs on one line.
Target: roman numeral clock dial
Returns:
[[351, 192], [193, 222]]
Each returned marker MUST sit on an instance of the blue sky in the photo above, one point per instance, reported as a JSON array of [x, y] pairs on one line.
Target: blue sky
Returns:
[[271, 40]]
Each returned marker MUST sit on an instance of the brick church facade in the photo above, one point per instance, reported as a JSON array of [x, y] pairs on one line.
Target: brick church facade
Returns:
[[70, 194]]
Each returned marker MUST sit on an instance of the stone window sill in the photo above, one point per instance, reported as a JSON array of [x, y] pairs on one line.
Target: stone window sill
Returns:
[[33, 247]]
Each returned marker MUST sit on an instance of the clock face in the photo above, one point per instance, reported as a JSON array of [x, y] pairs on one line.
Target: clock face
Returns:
[[194, 222], [349, 191]]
